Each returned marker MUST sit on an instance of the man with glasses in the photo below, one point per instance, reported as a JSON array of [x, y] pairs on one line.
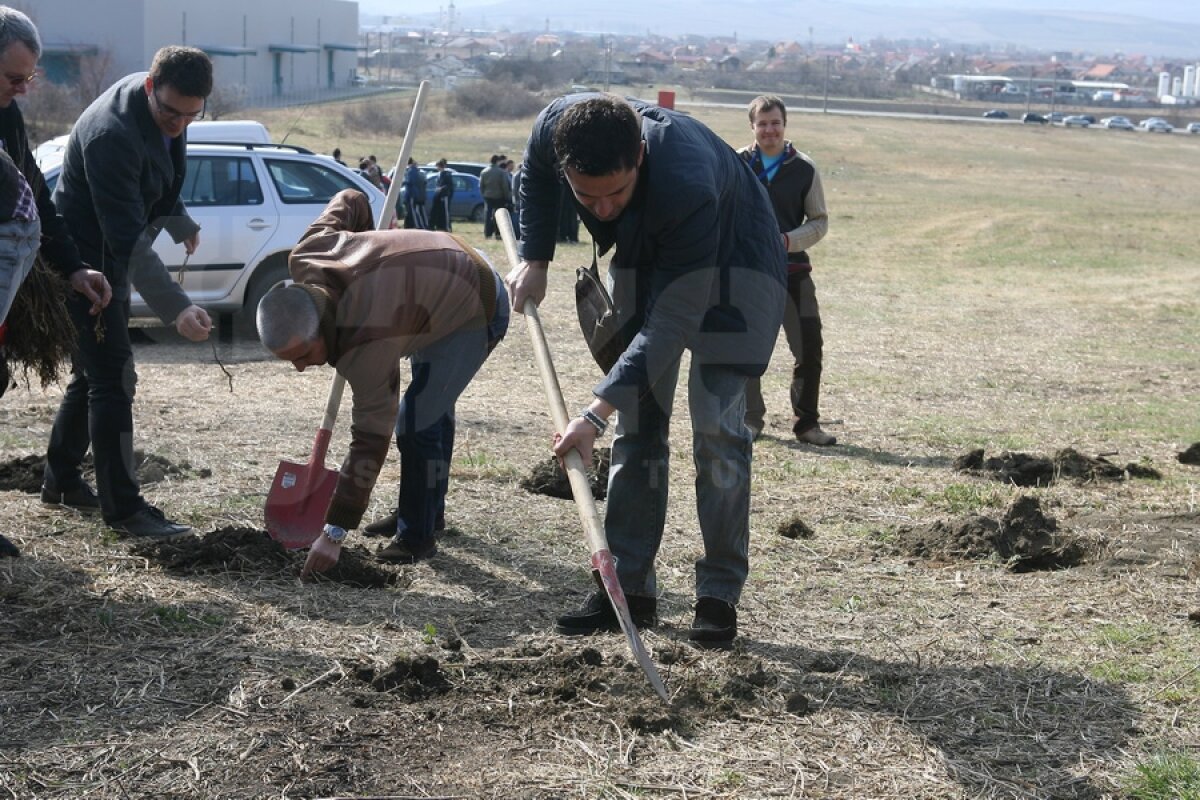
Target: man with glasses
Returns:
[[20, 48], [122, 172]]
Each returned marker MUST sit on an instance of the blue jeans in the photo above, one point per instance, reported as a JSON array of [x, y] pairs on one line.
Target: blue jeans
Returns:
[[637, 483], [97, 410], [425, 422]]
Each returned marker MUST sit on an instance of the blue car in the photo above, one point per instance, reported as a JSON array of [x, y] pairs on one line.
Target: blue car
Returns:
[[467, 202]]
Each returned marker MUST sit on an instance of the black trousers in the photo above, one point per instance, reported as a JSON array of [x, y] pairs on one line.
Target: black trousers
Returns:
[[97, 410], [802, 327]]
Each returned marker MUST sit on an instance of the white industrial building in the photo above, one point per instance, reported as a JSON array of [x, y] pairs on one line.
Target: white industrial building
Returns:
[[260, 49]]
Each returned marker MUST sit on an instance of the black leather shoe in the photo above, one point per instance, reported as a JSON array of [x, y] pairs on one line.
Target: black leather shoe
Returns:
[[7, 548], [383, 527], [715, 623], [387, 525], [150, 523], [399, 551], [597, 615], [83, 499]]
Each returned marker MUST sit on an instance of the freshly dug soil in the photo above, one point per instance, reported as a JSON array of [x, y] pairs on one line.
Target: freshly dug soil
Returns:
[[1191, 455], [549, 479], [1025, 539], [1024, 469], [24, 474], [795, 528], [252, 551]]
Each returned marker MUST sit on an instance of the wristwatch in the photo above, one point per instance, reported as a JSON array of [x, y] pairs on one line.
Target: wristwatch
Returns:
[[334, 534]]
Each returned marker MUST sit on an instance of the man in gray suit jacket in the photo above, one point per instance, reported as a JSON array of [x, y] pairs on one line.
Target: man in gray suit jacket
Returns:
[[122, 172]]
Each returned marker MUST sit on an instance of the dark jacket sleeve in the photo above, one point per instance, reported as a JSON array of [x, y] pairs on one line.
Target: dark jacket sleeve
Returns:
[[58, 248], [540, 189], [114, 177]]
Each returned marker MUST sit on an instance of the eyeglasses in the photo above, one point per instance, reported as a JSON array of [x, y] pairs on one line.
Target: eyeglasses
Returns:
[[17, 81], [175, 114]]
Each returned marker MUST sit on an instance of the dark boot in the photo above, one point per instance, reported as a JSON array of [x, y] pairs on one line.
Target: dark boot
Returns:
[[715, 624], [597, 615], [8, 549]]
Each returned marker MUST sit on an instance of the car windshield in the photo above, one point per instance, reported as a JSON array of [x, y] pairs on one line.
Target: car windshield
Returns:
[[306, 182]]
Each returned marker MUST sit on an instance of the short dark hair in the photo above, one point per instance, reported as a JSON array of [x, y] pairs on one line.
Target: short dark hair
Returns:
[[185, 69], [598, 136], [766, 102], [441, 162]]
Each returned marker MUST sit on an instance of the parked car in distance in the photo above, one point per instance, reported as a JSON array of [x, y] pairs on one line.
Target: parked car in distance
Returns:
[[1032, 118], [252, 201], [1117, 123], [1150, 121], [1056, 116], [1076, 121], [1193, 127], [1158, 126], [996, 113], [467, 202], [1090, 118]]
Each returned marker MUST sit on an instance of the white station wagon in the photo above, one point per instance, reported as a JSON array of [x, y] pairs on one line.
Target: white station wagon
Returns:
[[253, 200]]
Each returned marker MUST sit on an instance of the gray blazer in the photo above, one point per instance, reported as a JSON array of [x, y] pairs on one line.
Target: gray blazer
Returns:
[[119, 187]]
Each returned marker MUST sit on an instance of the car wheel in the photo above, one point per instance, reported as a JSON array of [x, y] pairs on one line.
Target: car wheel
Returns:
[[270, 273], [476, 213]]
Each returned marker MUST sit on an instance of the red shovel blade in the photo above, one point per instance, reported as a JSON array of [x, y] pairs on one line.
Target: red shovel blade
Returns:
[[299, 498], [605, 570]]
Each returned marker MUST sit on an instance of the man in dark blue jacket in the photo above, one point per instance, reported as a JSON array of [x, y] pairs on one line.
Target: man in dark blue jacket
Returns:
[[698, 265], [443, 193], [122, 173], [414, 197]]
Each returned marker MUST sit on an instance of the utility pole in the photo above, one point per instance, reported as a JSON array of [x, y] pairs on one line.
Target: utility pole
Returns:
[[825, 104], [1029, 91]]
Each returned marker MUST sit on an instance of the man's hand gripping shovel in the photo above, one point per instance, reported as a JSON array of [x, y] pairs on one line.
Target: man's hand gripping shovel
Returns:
[[300, 493], [603, 566]]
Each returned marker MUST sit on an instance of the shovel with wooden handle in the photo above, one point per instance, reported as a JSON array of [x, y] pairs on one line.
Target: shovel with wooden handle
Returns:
[[300, 493], [604, 568]]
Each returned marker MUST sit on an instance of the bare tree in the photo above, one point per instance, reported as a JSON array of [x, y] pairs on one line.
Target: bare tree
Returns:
[[95, 75]]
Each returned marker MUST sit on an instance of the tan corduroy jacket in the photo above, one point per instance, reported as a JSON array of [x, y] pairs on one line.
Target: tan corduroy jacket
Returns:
[[383, 295]]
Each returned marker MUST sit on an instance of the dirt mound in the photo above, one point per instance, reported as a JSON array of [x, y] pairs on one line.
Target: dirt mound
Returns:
[[703, 690], [1024, 469], [252, 551], [795, 528], [1025, 539], [24, 474], [1191, 455], [549, 479]]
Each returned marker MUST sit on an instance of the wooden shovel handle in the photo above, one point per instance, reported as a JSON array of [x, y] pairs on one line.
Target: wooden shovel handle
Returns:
[[338, 386], [581, 488]]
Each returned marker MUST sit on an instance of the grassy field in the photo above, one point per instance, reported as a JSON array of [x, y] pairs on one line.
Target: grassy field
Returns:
[[1004, 287]]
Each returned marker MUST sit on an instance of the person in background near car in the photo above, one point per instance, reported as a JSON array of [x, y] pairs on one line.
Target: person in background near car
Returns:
[[337, 156], [414, 197], [376, 175], [362, 301], [794, 186], [698, 266], [439, 217], [122, 172], [20, 48], [364, 169], [495, 184]]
